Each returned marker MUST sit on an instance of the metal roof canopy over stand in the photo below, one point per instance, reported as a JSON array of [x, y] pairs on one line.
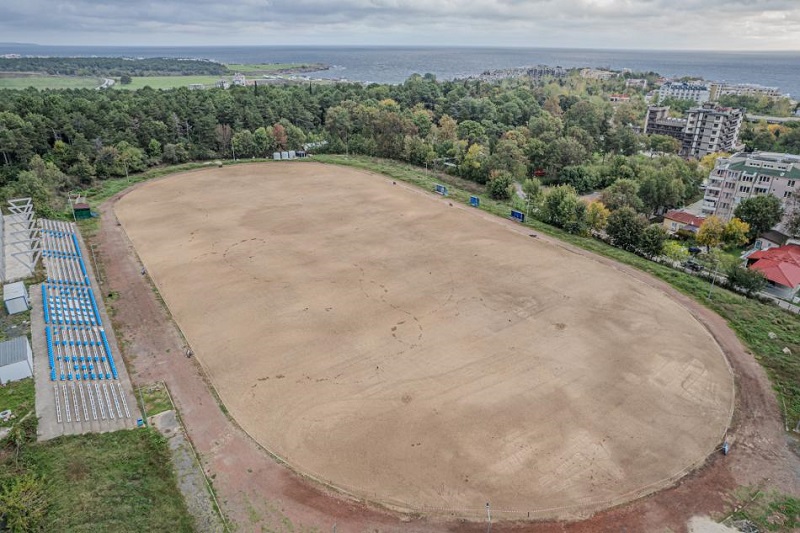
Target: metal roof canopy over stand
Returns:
[[25, 240]]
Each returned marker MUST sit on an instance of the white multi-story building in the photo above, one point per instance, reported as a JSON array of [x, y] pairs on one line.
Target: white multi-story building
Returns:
[[744, 175], [684, 91], [743, 89]]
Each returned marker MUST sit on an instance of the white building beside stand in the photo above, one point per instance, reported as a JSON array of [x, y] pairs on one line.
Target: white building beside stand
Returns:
[[15, 296], [16, 360]]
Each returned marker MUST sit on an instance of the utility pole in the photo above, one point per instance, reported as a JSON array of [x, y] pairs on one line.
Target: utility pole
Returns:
[[713, 279]]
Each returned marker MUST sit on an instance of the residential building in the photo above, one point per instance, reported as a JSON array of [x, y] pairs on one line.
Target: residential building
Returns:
[[222, 84], [239, 79], [636, 83], [597, 74], [710, 129], [196, 86], [537, 73], [706, 130], [744, 175], [684, 91], [743, 89], [781, 267], [658, 122], [770, 239], [675, 221]]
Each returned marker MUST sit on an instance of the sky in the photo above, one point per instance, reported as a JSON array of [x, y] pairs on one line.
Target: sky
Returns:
[[626, 24]]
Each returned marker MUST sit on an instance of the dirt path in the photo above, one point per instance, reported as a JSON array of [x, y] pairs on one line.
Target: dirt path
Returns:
[[259, 494]]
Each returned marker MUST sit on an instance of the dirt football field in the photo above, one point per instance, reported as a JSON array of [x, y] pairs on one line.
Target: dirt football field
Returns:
[[424, 355]]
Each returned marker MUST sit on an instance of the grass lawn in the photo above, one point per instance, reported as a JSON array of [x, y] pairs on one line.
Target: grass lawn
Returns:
[[117, 481], [169, 82], [49, 82], [19, 397], [155, 397]]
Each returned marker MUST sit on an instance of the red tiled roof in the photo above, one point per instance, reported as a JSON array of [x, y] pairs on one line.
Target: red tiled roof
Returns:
[[684, 218], [780, 265]]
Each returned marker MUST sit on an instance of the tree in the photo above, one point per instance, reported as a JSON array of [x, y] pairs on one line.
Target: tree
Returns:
[[279, 134], [675, 252], [264, 141], [652, 242], [744, 279], [664, 144], [597, 215], [580, 177], [626, 228], [174, 153], [563, 152], [761, 212], [735, 232], [509, 157], [500, 185], [472, 132], [534, 196], [130, 157], [154, 149], [563, 208], [711, 232], [473, 164], [125, 79], [83, 170], [622, 193], [244, 144]]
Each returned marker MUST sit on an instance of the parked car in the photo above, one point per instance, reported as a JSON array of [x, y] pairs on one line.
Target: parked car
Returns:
[[694, 266]]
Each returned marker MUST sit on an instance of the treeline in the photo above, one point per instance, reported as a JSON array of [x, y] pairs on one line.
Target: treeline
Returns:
[[771, 137], [112, 66], [774, 107], [493, 134]]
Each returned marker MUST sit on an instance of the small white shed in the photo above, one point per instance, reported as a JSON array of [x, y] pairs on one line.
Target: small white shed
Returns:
[[16, 360], [15, 296]]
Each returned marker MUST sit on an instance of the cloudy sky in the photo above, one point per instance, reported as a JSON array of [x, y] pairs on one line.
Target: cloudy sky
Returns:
[[637, 24]]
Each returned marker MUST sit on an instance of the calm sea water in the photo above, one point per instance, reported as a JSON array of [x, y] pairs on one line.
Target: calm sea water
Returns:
[[395, 64]]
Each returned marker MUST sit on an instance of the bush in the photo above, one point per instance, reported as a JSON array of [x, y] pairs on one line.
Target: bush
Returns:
[[500, 186], [23, 504], [744, 279]]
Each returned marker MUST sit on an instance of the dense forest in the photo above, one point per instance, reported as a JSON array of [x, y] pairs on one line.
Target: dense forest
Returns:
[[557, 133], [112, 66]]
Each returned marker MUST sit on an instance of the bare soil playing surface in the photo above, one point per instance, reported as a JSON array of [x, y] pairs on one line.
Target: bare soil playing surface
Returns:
[[409, 352]]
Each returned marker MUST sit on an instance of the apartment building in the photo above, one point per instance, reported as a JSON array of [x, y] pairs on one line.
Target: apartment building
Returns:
[[658, 122], [744, 175], [684, 91], [705, 130], [710, 129], [743, 89]]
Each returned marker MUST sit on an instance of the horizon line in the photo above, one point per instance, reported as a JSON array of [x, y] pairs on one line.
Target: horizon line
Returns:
[[411, 46]]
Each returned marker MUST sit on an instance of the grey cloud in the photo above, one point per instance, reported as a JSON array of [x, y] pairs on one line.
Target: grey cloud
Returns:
[[652, 23]]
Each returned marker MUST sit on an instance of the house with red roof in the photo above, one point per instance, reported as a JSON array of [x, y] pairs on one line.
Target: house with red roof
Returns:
[[675, 221], [781, 267]]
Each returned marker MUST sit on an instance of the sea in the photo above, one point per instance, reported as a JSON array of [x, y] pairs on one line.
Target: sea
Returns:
[[395, 64]]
